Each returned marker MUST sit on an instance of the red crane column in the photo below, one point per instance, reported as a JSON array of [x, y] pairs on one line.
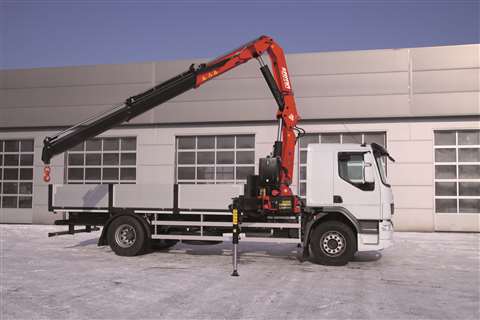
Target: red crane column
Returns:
[[287, 114]]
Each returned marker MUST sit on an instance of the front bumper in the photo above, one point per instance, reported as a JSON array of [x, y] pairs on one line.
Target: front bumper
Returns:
[[386, 233], [383, 239]]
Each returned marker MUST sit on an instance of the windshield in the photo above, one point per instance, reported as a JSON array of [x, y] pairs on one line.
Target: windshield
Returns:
[[382, 168]]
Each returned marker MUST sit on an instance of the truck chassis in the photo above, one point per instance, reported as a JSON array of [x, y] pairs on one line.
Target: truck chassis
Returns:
[[164, 227]]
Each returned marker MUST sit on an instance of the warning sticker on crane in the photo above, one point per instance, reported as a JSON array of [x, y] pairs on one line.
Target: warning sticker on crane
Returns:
[[286, 81]]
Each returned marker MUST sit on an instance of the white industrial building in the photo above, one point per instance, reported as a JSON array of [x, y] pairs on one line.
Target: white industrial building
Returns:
[[423, 104]]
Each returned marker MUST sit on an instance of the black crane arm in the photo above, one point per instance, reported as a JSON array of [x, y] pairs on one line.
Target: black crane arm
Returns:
[[131, 108]]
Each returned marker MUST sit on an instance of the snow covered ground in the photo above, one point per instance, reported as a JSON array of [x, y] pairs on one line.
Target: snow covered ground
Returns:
[[425, 275]]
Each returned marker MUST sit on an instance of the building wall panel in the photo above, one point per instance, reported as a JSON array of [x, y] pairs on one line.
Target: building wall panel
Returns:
[[351, 84], [164, 70], [338, 62], [107, 74], [48, 116], [16, 216], [215, 111], [154, 155], [160, 174], [455, 223], [42, 216], [3, 79], [70, 96], [420, 220], [413, 197], [446, 57], [411, 151], [424, 130], [410, 174], [457, 80], [228, 89], [354, 106], [446, 104]]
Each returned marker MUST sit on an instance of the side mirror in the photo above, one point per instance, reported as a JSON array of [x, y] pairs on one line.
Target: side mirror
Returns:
[[368, 174]]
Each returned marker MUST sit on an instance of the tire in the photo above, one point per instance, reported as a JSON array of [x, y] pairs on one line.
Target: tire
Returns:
[[332, 243], [127, 237], [163, 244]]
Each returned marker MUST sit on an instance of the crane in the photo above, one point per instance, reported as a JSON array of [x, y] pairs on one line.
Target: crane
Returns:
[[269, 191]]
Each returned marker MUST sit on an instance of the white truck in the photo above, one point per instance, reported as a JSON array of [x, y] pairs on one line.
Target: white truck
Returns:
[[348, 205], [348, 208]]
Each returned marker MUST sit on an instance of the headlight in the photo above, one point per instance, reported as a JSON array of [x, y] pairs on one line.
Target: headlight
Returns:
[[386, 226]]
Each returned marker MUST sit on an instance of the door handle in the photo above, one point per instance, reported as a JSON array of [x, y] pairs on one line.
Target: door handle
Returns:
[[337, 199]]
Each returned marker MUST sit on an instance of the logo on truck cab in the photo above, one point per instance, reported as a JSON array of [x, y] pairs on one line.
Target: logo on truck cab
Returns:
[[286, 82]]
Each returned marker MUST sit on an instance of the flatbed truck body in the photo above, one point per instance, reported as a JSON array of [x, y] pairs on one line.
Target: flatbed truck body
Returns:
[[173, 212]]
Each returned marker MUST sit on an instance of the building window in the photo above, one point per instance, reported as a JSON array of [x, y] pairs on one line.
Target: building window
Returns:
[[345, 137], [103, 160], [457, 171], [16, 173], [215, 159]]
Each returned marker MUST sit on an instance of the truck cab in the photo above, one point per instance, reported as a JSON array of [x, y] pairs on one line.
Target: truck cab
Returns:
[[349, 181]]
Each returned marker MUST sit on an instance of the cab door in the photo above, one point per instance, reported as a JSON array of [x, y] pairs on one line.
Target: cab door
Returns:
[[352, 189]]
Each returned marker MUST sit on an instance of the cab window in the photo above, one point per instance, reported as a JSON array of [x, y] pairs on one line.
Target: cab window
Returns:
[[351, 168]]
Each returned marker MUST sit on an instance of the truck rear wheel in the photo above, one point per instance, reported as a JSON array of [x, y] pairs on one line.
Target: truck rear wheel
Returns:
[[126, 236], [332, 243]]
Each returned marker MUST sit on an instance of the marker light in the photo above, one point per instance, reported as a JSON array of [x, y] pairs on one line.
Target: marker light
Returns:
[[46, 173]]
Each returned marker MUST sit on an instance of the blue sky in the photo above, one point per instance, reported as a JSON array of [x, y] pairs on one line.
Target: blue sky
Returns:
[[58, 33]]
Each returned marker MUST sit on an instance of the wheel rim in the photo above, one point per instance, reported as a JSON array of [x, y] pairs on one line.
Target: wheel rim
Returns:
[[125, 236], [333, 243]]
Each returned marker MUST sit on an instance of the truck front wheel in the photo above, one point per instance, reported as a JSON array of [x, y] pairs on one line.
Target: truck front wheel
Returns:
[[332, 243], [126, 236]]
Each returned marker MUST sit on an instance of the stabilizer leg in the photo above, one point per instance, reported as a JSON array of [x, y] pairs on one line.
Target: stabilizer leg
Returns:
[[235, 240]]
